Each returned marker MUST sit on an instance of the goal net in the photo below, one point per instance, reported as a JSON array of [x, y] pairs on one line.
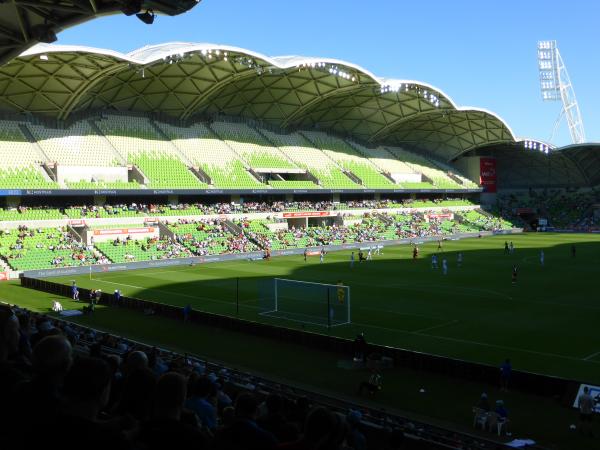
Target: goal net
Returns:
[[307, 302]]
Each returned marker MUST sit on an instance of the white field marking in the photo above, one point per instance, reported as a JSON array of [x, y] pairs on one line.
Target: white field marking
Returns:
[[481, 344], [587, 358], [196, 297], [389, 311], [273, 315], [439, 287], [413, 285], [435, 327], [446, 288]]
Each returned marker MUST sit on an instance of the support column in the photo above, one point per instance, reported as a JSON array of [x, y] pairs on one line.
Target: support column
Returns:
[[13, 202], [99, 200]]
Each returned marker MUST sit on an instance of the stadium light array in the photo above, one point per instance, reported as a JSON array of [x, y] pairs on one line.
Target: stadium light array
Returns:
[[332, 69], [533, 145], [428, 96]]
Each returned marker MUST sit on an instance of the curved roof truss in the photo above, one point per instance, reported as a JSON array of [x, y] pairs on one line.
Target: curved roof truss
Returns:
[[183, 80]]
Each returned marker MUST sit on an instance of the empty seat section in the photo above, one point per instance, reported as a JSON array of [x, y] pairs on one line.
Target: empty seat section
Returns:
[[383, 159], [252, 146], [136, 140], [423, 165], [77, 145], [205, 150], [103, 184], [307, 156], [347, 157], [20, 161]]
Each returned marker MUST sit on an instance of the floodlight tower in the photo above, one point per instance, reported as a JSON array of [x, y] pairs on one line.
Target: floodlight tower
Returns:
[[556, 86]]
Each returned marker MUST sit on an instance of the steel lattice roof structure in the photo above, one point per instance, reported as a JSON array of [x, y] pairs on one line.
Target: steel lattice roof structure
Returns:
[[24, 23], [188, 80]]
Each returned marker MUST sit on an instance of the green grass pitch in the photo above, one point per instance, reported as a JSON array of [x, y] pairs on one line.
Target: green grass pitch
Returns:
[[545, 322]]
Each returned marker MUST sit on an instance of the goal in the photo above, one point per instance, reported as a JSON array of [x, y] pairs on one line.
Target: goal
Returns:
[[306, 302]]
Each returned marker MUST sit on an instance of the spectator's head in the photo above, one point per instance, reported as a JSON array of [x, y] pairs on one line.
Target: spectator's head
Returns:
[[274, 403], [246, 406], [353, 418], [324, 429], [9, 332], [136, 360], [88, 383], [170, 395], [52, 357], [137, 393], [228, 415], [204, 387]]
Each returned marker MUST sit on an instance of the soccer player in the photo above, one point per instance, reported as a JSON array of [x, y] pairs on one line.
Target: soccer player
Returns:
[[506, 250], [439, 245], [573, 251], [361, 256], [542, 257], [352, 260], [305, 254], [434, 261], [369, 255], [75, 291], [322, 255], [459, 259], [415, 253], [445, 266], [341, 292], [377, 249], [512, 248], [514, 274]]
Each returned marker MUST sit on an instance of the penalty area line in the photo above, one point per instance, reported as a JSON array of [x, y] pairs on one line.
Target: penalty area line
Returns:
[[176, 294], [592, 356]]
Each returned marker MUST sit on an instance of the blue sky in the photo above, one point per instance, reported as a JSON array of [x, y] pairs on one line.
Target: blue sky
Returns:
[[480, 53]]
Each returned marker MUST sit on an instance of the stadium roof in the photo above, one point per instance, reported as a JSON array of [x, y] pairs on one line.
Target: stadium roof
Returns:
[[24, 23], [183, 80]]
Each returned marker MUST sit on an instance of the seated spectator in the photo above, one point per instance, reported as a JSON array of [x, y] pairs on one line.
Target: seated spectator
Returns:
[[85, 393], [136, 394], [323, 430], [484, 403], [274, 421], [244, 433], [39, 398], [166, 429], [356, 438], [202, 402]]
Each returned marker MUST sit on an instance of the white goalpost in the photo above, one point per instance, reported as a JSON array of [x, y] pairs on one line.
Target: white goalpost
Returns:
[[306, 302]]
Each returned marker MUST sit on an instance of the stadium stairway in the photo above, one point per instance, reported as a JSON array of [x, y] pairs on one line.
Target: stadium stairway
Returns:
[[97, 130], [250, 172]]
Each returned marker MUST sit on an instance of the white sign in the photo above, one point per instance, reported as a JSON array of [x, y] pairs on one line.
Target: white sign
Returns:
[[594, 392]]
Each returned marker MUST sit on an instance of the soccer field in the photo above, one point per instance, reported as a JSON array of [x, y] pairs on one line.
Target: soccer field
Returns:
[[545, 323]]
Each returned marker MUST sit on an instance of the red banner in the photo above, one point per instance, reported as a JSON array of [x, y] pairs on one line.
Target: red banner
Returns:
[[487, 174], [123, 231], [77, 222], [290, 215], [441, 216], [4, 276]]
